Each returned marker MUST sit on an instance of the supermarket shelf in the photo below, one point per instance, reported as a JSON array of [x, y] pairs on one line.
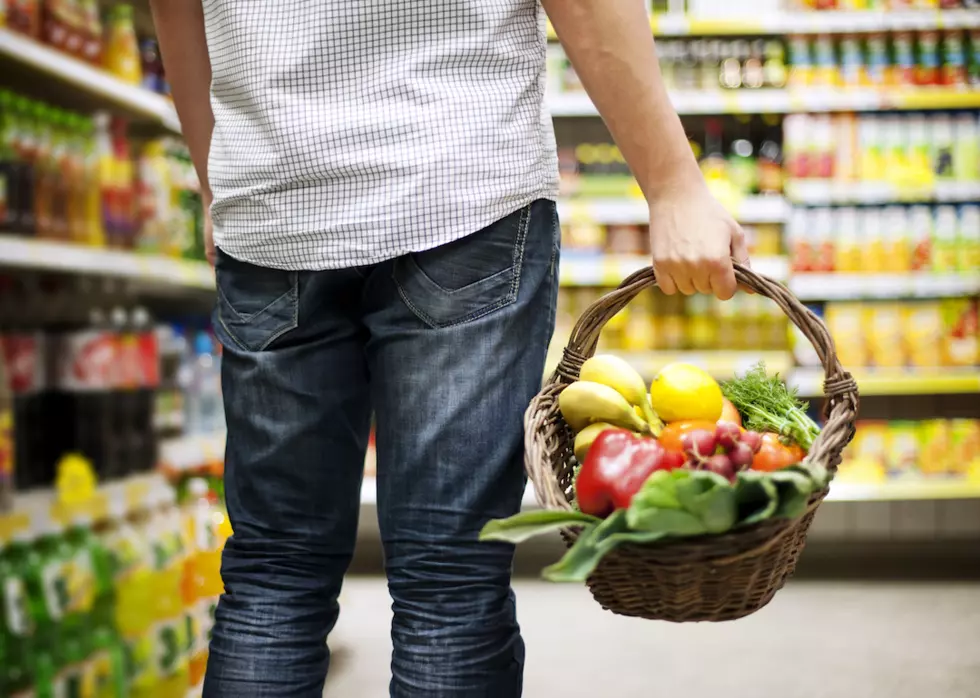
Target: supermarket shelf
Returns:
[[812, 23], [610, 270], [773, 101], [65, 257], [187, 453], [823, 192], [41, 511], [922, 381], [720, 364], [904, 490], [677, 24], [812, 287], [634, 211], [133, 100]]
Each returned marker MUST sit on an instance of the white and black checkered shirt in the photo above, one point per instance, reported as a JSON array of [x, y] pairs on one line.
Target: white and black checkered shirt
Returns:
[[348, 132]]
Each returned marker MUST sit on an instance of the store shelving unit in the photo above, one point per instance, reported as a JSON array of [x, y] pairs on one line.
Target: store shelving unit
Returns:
[[610, 270], [905, 490], [56, 65], [635, 211], [920, 381], [823, 192], [43, 255], [775, 23], [787, 101], [829, 287], [44, 510]]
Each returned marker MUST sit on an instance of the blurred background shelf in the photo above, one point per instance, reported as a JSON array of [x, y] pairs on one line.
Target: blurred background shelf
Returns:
[[39, 510], [782, 101], [813, 287], [720, 364], [921, 381], [43, 255], [609, 270], [900, 490], [635, 211], [822, 192], [841, 22], [136, 102]]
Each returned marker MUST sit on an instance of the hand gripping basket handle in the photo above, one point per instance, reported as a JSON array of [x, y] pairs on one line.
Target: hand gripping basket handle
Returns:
[[840, 408]]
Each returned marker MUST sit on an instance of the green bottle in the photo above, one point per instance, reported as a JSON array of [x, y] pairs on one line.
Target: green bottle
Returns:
[[17, 631]]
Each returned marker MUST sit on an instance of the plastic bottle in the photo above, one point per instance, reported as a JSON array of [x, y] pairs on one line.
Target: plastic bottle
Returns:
[[45, 173], [135, 589], [105, 157], [25, 147], [8, 166], [171, 642], [122, 57], [18, 627], [205, 411]]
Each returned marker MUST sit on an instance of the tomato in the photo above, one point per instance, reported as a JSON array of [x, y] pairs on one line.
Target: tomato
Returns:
[[670, 437], [729, 413], [775, 455]]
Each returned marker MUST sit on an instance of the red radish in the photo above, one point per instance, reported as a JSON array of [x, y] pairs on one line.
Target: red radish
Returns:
[[727, 434], [698, 443], [722, 465], [753, 440], [672, 460], [741, 455]]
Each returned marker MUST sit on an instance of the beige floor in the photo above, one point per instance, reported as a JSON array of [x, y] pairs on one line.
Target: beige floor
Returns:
[[816, 640]]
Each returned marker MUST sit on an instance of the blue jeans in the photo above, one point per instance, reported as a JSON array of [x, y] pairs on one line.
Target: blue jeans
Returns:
[[446, 347]]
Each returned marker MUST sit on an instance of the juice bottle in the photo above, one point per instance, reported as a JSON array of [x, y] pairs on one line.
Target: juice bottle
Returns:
[[91, 31], [94, 226], [124, 186], [135, 588], [8, 165], [122, 57], [877, 59], [24, 142], [954, 66], [944, 152], [61, 176], [105, 157], [927, 67], [170, 642], [903, 68], [897, 252], [78, 221], [800, 60], [45, 174], [944, 253], [973, 63], [968, 241], [18, 628], [966, 135], [920, 231]]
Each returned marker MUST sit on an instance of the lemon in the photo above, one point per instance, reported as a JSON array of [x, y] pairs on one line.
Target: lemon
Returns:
[[682, 391]]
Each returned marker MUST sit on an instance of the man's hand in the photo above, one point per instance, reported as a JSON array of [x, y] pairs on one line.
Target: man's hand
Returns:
[[693, 240]]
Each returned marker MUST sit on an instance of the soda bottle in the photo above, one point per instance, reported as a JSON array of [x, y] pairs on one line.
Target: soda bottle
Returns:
[[25, 144], [122, 57], [18, 628], [148, 383], [87, 367]]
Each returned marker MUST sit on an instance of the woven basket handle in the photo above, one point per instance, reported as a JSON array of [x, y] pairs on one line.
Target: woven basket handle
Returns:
[[841, 405]]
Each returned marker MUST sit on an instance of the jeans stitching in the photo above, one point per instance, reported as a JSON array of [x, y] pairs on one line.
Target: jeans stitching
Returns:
[[522, 229], [290, 325]]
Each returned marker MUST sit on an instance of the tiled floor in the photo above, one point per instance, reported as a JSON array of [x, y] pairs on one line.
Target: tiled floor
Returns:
[[815, 640]]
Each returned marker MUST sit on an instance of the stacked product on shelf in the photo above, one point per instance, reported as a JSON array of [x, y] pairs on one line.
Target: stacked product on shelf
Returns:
[[912, 152], [886, 239], [922, 335], [71, 178], [118, 605], [79, 29], [913, 449]]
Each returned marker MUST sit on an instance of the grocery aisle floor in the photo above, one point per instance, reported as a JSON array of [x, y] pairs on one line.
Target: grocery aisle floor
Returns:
[[815, 640]]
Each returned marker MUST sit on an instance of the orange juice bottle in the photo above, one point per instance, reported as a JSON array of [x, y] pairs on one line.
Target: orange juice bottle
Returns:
[[121, 56]]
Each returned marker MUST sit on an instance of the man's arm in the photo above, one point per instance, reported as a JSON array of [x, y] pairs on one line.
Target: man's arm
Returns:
[[184, 49], [693, 238]]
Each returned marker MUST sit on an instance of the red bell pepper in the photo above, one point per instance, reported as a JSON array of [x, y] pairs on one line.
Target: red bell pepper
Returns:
[[615, 469]]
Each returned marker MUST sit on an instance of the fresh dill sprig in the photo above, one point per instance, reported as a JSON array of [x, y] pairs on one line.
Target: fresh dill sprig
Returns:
[[766, 404]]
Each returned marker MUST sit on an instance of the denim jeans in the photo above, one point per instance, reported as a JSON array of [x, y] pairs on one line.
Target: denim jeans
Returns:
[[446, 348]]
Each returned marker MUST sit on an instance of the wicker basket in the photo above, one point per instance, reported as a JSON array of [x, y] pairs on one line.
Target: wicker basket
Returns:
[[707, 578]]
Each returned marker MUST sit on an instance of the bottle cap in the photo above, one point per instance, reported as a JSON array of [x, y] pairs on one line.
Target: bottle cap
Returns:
[[203, 343]]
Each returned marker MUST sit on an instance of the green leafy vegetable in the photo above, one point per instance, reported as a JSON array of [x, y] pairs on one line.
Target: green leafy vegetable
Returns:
[[757, 497], [766, 404], [584, 556], [527, 524]]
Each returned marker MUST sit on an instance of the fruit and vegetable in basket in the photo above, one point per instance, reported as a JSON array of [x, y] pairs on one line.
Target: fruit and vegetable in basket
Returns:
[[689, 458]]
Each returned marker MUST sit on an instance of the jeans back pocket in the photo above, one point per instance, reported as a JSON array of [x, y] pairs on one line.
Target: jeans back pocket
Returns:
[[468, 278], [256, 305]]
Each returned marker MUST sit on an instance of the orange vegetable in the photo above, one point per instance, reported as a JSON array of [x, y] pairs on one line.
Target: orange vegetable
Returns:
[[776, 455], [670, 437], [729, 413]]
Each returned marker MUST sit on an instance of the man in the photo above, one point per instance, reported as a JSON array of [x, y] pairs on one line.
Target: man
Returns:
[[381, 179]]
